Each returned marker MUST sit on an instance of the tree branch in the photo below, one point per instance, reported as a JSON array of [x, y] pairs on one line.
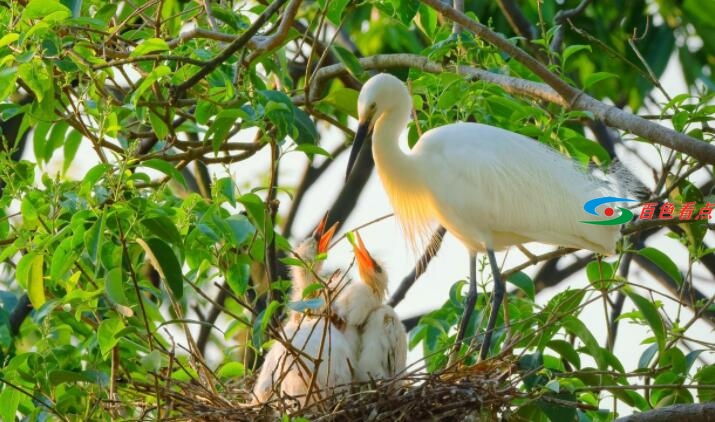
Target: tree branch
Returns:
[[579, 100], [234, 46], [695, 412], [409, 280]]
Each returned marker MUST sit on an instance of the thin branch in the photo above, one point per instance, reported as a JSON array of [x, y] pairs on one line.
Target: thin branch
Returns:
[[560, 19], [234, 46], [434, 244]]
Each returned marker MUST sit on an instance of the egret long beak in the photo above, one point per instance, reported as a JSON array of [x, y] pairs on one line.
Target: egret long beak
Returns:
[[365, 262], [322, 236], [362, 132]]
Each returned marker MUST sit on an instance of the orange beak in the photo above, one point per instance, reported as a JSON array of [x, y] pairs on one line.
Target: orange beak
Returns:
[[323, 237], [364, 260]]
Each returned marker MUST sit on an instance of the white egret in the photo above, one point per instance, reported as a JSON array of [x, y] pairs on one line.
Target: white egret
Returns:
[[382, 353], [314, 350], [490, 188], [305, 275]]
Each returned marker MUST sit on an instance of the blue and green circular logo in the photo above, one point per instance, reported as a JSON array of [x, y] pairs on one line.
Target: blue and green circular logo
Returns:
[[626, 214]]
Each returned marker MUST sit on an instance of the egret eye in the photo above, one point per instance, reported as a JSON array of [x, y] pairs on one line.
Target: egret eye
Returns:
[[378, 268]]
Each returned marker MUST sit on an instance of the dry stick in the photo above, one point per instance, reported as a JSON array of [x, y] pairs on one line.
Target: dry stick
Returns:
[[578, 99]]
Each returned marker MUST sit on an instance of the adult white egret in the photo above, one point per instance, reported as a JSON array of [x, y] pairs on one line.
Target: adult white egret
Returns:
[[382, 353], [488, 187]]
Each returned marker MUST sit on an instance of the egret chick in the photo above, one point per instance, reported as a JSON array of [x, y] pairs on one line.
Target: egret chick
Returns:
[[316, 244], [383, 340], [489, 187], [288, 371]]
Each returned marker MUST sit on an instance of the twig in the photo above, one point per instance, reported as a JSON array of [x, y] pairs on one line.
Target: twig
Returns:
[[178, 91], [434, 244]]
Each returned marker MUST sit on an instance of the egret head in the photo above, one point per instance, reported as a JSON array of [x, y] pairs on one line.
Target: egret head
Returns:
[[383, 93], [371, 272], [318, 242]]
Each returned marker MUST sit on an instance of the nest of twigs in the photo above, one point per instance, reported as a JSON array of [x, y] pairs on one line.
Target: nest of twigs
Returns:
[[479, 392]]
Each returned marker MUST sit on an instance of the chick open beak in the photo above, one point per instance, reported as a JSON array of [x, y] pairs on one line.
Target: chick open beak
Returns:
[[322, 236], [363, 131], [364, 260]]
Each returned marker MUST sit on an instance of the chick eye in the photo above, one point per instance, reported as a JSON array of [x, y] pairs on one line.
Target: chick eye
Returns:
[[378, 268]]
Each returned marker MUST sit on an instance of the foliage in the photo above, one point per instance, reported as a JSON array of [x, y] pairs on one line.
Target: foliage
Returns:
[[128, 265]]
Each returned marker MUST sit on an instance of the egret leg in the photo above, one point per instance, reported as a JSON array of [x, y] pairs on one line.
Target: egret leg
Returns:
[[471, 299], [497, 298]]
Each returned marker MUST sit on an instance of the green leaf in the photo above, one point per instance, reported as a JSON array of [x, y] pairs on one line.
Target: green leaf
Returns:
[[37, 78], [39, 9], [406, 10], [70, 148], [706, 377], [663, 262], [566, 350], [259, 327], [579, 329], [650, 314], [55, 139], [225, 187], [237, 276], [600, 274], [164, 261], [352, 64], [307, 133], [523, 282], [63, 259], [165, 229], [39, 139], [152, 361], [150, 45], [240, 229], [29, 275], [232, 370], [153, 76], [573, 49], [166, 168], [10, 399], [310, 150], [335, 9], [596, 77], [61, 376], [256, 209], [114, 286], [158, 125], [344, 100], [9, 38], [107, 334]]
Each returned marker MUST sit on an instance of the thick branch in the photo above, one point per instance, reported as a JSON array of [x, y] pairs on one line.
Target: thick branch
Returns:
[[579, 100], [697, 412], [261, 44]]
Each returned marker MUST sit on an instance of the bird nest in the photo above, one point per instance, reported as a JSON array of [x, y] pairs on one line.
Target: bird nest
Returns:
[[479, 392]]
